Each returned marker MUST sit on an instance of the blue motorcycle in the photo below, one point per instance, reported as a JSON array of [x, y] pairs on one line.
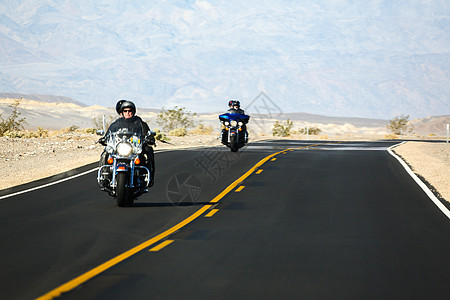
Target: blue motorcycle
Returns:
[[234, 131]]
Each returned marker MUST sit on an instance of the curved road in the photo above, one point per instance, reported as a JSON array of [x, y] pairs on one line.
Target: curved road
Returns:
[[280, 219]]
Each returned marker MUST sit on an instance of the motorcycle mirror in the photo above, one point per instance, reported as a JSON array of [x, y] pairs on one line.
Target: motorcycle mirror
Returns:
[[152, 133], [100, 132]]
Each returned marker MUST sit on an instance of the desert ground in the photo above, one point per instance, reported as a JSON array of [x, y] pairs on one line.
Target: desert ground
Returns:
[[28, 159]]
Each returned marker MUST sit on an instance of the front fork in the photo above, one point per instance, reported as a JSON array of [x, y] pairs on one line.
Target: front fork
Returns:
[[117, 167]]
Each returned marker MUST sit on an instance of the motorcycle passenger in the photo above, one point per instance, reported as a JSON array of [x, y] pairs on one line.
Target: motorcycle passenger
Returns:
[[128, 119], [234, 108]]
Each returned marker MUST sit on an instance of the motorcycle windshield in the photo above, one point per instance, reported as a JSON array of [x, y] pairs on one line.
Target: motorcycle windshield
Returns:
[[234, 117], [117, 139]]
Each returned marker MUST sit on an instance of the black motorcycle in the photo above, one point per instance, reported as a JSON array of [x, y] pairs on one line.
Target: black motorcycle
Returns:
[[122, 176], [234, 135]]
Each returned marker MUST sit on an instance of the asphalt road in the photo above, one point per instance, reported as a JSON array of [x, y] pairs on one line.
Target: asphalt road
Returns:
[[320, 221]]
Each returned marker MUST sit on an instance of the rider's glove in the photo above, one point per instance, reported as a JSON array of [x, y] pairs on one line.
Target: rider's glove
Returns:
[[150, 140], [102, 141]]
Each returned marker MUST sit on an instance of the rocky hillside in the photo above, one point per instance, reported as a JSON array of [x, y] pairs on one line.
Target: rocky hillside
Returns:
[[63, 114]]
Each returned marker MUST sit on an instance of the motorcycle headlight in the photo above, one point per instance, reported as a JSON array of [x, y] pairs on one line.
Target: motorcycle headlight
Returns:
[[124, 149], [240, 123], [226, 123], [233, 123]]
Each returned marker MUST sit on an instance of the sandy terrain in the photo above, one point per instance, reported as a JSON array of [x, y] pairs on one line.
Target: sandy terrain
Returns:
[[25, 160], [431, 161], [29, 159]]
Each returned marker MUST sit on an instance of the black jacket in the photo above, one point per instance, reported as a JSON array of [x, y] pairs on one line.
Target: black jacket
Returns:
[[236, 111], [133, 124]]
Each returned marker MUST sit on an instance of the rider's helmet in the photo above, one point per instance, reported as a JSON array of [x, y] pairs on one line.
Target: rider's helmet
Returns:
[[119, 105], [125, 104], [232, 103]]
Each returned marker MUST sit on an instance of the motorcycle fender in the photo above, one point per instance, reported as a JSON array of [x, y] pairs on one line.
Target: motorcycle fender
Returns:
[[122, 167]]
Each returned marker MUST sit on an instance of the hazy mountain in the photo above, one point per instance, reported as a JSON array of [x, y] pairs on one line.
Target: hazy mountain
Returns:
[[53, 112], [42, 98], [371, 59]]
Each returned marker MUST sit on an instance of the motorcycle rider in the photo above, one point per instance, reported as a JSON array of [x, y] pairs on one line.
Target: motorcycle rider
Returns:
[[234, 108], [128, 119]]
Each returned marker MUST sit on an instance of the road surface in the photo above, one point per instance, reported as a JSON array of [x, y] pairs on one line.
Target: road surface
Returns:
[[280, 219]]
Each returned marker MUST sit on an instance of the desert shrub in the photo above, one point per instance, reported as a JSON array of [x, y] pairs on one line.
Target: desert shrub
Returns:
[[90, 130], [202, 130], [177, 117], [400, 125], [14, 134], [178, 132], [98, 122], [13, 123], [73, 128], [310, 130], [70, 129], [161, 136], [391, 136], [41, 132], [282, 129]]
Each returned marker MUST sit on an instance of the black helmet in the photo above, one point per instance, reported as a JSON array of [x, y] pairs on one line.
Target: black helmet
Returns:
[[234, 103], [125, 104], [119, 105]]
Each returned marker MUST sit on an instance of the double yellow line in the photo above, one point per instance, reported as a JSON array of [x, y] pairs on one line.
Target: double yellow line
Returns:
[[68, 286]]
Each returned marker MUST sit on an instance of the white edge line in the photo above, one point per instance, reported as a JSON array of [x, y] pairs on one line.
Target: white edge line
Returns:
[[65, 179], [419, 182], [48, 184]]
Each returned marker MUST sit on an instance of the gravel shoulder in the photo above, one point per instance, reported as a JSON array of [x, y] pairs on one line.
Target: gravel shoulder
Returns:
[[430, 161], [26, 160]]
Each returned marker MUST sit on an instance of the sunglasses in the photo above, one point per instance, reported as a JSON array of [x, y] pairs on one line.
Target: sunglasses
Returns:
[[127, 110]]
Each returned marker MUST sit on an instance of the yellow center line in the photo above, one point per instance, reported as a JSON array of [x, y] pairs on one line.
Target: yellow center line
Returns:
[[162, 245], [274, 159], [114, 261], [259, 171], [211, 213], [243, 177], [240, 188]]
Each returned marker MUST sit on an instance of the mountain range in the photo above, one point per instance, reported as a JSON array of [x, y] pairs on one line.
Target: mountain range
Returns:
[[368, 59]]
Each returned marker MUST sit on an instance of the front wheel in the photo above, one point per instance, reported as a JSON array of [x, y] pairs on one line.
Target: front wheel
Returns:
[[233, 144], [122, 193]]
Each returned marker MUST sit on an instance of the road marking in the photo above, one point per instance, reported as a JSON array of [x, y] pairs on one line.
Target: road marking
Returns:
[[419, 182], [243, 177], [274, 159], [114, 261], [68, 286], [240, 188], [352, 148], [162, 245], [48, 184], [59, 181], [259, 171], [211, 213]]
